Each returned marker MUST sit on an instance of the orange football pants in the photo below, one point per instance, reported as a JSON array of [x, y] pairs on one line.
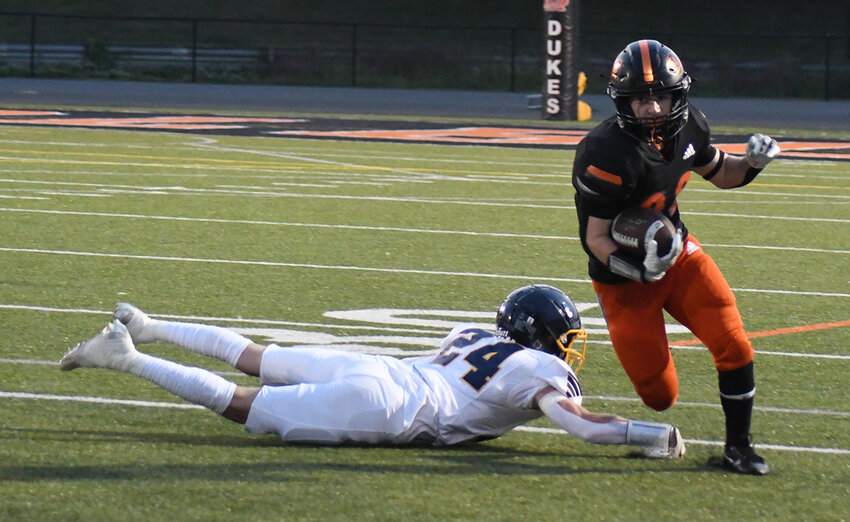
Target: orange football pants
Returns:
[[693, 292]]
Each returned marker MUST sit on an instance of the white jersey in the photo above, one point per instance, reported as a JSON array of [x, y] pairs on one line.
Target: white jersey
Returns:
[[479, 386], [485, 385]]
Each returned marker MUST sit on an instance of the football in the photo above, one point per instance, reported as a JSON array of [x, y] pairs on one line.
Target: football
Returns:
[[633, 228]]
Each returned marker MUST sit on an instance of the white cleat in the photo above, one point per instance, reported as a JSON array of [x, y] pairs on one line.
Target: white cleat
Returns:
[[137, 323], [111, 348]]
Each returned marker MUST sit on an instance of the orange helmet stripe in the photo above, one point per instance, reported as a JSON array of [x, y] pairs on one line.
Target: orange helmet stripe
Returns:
[[648, 75]]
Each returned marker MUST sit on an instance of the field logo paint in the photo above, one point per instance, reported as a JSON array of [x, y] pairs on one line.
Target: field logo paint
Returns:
[[431, 327]]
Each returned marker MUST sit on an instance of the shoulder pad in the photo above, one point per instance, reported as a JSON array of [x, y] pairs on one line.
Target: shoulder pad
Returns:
[[697, 117]]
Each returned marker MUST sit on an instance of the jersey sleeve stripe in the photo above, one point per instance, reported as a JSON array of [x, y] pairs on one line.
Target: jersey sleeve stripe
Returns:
[[604, 176]]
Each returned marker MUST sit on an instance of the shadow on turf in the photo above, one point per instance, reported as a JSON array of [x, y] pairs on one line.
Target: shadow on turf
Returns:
[[243, 441], [467, 459]]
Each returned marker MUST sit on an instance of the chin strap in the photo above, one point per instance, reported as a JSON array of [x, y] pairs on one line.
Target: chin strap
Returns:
[[656, 140]]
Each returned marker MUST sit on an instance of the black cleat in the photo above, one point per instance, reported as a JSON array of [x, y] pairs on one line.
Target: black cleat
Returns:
[[743, 459]]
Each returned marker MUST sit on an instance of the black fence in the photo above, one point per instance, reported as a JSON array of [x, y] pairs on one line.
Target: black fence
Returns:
[[371, 55]]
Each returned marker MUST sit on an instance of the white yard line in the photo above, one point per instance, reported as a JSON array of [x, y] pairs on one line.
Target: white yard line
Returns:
[[775, 447], [531, 429], [371, 228], [449, 273]]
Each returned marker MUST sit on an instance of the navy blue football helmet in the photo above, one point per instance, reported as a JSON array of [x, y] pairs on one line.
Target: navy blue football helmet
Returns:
[[543, 318]]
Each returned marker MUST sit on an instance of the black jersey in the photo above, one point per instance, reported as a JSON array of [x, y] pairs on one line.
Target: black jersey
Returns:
[[614, 171]]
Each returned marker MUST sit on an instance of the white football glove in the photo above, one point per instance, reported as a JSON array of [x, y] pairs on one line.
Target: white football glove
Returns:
[[675, 447], [655, 267], [761, 150], [656, 440]]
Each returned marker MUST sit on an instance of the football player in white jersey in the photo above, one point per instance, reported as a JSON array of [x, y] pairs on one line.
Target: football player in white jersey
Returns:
[[479, 386]]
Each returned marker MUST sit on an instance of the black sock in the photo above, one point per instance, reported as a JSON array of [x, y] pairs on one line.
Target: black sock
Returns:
[[737, 388]]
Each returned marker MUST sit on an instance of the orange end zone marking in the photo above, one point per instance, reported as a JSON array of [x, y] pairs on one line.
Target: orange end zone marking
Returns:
[[463, 135], [479, 135], [778, 331], [15, 112]]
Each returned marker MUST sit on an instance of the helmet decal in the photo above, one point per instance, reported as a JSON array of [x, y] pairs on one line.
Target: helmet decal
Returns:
[[615, 70], [674, 66]]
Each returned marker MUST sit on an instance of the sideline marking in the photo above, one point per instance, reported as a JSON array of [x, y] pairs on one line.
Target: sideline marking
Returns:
[[154, 122], [778, 331]]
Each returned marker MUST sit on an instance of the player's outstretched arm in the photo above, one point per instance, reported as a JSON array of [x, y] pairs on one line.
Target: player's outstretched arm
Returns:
[[727, 171], [655, 439]]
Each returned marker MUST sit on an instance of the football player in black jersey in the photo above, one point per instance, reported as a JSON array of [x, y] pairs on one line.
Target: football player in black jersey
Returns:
[[643, 157]]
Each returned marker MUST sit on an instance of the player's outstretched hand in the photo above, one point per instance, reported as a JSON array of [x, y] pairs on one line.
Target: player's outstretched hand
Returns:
[[761, 149], [675, 447]]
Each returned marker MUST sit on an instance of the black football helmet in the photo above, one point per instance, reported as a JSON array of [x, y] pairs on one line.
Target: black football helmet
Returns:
[[543, 318], [644, 68]]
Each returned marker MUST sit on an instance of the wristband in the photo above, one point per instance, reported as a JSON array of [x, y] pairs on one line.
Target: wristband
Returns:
[[625, 265], [751, 174]]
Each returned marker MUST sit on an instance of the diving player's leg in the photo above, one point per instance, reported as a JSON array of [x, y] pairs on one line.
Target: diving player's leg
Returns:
[[113, 349], [213, 341], [240, 404], [356, 408], [308, 364]]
